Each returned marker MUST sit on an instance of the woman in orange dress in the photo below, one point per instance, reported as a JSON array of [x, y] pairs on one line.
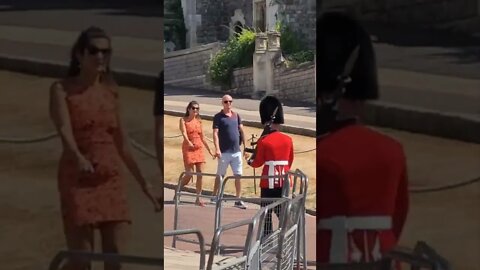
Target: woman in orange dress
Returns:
[[85, 110], [192, 146]]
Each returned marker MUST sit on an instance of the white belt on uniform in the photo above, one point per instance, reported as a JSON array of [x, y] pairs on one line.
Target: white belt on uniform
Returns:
[[340, 226], [271, 170]]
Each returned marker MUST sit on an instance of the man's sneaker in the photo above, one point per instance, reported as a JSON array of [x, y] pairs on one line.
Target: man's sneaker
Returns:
[[240, 205]]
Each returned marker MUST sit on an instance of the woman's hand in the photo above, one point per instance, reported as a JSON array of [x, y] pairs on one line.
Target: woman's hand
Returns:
[[246, 155], [191, 145], [84, 166], [153, 197], [212, 153]]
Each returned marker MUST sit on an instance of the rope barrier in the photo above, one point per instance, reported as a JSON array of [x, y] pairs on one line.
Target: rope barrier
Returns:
[[145, 151], [210, 140], [46, 137], [142, 149], [171, 137], [444, 187]]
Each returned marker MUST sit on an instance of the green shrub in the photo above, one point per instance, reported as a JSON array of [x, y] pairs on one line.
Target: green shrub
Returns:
[[237, 53], [290, 41], [300, 57], [293, 47]]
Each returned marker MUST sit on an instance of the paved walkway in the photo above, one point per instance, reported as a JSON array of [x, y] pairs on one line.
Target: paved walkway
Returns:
[[299, 117], [48, 35]]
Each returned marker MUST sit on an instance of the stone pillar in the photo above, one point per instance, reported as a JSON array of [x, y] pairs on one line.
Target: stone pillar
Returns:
[[192, 20], [267, 50], [260, 66], [259, 16], [271, 15]]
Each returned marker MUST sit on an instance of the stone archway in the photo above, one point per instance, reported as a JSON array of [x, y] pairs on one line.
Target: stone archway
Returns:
[[237, 28], [237, 22]]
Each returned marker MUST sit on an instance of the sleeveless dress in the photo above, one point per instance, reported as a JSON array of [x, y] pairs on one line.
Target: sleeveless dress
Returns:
[[194, 131], [92, 198]]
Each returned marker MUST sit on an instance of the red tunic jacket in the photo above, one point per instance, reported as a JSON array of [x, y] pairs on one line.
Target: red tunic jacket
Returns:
[[275, 151], [361, 172]]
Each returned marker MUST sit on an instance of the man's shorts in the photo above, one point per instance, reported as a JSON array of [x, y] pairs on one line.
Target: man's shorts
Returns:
[[232, 159]]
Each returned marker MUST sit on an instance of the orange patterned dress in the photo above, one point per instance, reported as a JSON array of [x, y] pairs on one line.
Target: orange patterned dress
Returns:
[[194, 131], [92, 198]]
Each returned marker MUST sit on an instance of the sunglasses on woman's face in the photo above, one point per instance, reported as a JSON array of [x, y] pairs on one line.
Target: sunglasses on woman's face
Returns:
[[227, 101], [93, 50], [195, 108]]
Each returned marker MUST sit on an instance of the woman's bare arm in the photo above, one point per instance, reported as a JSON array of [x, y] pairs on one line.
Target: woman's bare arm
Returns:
[[183, 130], [124, 149], [159, 143], [204, 140], [61, 119]]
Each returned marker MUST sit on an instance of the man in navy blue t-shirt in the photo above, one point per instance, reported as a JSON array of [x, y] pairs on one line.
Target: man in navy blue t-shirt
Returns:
[[228, 136]]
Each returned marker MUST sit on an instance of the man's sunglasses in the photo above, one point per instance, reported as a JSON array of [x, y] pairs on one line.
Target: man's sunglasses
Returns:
[[92, 50], [227, 101]]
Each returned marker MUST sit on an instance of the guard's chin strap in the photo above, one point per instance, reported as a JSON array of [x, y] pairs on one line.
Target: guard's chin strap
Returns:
[[327, 115]]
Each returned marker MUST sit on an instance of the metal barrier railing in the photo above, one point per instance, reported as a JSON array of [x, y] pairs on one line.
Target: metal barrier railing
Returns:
[[298, 177], [257, 221], [102, 257], [301, 255], [421, 257], [179, 194], [221, 196], [291, 235], [284, 246], [254, 249], [201, 242]]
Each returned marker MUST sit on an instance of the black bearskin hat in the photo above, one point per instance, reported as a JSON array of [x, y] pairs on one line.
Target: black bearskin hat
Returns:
[[267, 107], [338, 35]]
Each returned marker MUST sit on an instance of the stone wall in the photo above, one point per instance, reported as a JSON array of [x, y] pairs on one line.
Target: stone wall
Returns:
[[409, 11], [216, 16], [301, 16], [297, 84], [243, 81], [188, 67]]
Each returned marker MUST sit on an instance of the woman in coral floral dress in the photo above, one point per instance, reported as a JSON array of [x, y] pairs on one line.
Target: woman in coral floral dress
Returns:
[[192, 146], [85, 110]]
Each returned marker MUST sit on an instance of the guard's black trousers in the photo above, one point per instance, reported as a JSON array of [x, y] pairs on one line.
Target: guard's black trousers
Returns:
[[270, 193]]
